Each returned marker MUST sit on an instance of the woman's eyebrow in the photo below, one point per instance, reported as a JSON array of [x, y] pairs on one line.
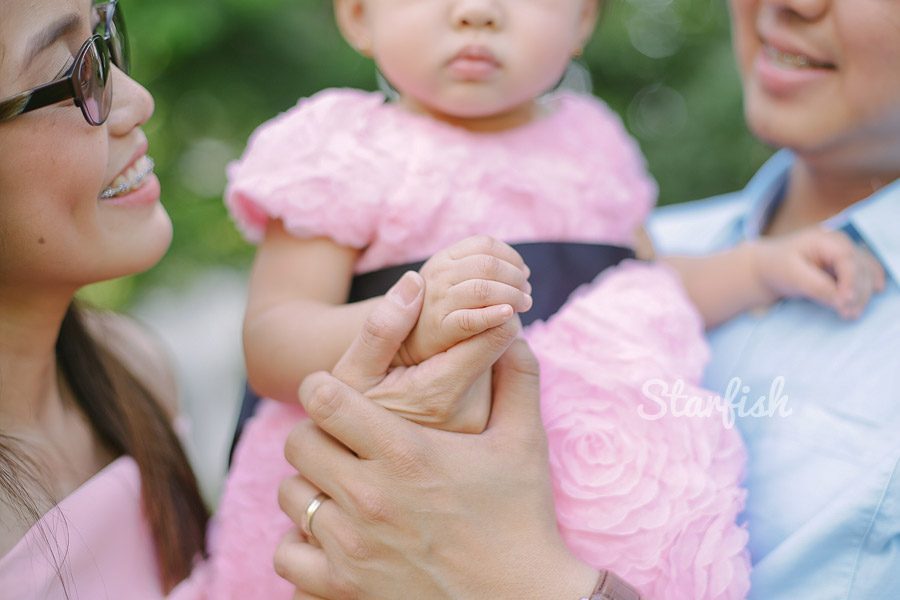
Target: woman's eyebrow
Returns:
[[49, 35]]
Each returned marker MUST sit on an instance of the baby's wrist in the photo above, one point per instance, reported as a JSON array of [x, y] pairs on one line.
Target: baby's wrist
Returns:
[[754, 260]]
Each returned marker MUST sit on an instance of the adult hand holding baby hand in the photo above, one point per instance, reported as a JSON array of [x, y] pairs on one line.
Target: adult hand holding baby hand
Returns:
[[470, 287], [415, 512]]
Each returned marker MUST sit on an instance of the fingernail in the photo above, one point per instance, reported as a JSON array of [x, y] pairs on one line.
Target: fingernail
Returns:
[[405, 291]]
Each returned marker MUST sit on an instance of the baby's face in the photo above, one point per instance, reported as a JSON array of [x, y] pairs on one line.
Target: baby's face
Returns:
[[478, 61]]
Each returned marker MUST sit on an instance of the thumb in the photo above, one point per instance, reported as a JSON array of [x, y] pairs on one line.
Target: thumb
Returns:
[[517, 392], [368, 358]]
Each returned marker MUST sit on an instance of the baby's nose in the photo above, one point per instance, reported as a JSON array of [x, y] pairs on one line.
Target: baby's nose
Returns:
[[477, 13]]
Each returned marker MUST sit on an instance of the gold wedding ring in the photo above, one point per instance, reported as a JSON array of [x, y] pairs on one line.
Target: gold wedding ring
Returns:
[[311, 509]]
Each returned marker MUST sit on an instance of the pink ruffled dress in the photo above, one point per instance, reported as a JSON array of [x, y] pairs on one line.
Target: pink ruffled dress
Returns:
[[655, 499], [95, 544]]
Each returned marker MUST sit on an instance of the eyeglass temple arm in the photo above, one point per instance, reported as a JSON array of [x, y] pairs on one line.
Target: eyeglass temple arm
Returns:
[[48, 94]]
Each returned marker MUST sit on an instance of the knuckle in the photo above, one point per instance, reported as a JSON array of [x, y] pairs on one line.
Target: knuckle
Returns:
[[281, 562], [483, 241], [466, 321], [490, 266], [484, 244], [370, 503], [499, 338], [294, 446], [435, 265], [309, 385], [375, 331], [356, 549], [325, 400], [481, 289]]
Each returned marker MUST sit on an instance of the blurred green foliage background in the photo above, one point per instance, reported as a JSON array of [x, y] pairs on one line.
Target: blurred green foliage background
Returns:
[[219, 68]]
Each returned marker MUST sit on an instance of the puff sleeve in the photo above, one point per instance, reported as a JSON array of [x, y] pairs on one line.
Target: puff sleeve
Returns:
[[316, 168]]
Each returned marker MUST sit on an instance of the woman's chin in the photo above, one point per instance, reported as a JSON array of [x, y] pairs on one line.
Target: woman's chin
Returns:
[[133, 250]]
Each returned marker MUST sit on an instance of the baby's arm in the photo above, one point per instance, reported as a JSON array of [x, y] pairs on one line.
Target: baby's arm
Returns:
[[824, 266], [297, 319]]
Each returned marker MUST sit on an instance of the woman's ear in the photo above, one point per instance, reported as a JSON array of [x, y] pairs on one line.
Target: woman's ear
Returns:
[[351, 19]]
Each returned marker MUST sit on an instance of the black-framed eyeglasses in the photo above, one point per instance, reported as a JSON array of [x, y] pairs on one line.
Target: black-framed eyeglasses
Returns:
[[87, 81]]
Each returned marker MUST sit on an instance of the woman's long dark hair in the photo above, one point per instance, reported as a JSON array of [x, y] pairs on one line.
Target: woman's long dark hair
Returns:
[[128, 420]]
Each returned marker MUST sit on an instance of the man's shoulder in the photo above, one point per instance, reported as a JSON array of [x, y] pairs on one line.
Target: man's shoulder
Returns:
[[696, 227]]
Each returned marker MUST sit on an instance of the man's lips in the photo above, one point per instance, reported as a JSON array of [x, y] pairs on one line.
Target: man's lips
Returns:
[[794, 56]]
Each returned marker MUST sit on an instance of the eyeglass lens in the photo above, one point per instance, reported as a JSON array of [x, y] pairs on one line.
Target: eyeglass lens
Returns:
[[92, 78]]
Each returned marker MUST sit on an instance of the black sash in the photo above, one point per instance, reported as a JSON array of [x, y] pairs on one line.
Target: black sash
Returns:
[[557, 268]]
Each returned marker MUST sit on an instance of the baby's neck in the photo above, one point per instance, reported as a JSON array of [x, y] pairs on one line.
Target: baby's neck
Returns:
[[514, 118]]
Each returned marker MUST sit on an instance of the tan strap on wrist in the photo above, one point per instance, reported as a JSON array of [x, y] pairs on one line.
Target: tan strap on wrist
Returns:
[[612, 587]]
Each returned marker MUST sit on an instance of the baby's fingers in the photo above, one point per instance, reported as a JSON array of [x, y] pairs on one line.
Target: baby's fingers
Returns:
[[492, 268], [483, 244], [481, 293], [858, 277], [472, 321], [818, 285]]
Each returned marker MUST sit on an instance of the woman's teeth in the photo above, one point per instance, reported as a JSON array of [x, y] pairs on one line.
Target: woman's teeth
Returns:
[[131, 179], [793, 61]]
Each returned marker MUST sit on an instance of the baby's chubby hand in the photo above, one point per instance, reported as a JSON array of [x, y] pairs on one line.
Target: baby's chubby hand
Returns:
[[824, 266], [470, 287]]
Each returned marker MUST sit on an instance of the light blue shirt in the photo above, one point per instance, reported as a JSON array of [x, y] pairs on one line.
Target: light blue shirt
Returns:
[[823, 508]]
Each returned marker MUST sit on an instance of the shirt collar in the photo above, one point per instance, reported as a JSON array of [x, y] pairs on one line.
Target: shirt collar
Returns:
[[874, 220]]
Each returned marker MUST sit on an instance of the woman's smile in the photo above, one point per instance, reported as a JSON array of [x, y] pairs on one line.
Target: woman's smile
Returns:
[[133, 178]]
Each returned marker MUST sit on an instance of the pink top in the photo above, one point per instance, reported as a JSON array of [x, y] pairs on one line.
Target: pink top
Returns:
[[95, 544], [346, 165]]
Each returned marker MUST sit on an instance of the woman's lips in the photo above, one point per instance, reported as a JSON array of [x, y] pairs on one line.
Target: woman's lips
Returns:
[[131, 179]]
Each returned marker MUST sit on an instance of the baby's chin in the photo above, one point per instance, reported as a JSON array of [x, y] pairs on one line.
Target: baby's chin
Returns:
[[478, 117]]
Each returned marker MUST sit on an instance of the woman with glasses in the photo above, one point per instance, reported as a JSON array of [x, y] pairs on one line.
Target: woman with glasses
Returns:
[[97, 499]]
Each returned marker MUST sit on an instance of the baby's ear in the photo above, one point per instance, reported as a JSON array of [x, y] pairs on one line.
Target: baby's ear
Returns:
[[351, 20], [590, 12]]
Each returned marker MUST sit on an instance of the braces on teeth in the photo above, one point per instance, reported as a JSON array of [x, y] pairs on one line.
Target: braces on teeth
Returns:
[[791, 59], [122, 187]]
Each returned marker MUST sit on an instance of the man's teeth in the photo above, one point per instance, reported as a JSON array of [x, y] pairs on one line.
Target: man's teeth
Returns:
[[795, 61], [131, 179]]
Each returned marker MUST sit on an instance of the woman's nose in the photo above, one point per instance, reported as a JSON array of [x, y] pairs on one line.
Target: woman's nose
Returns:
[[132, 104], [477, 14]]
